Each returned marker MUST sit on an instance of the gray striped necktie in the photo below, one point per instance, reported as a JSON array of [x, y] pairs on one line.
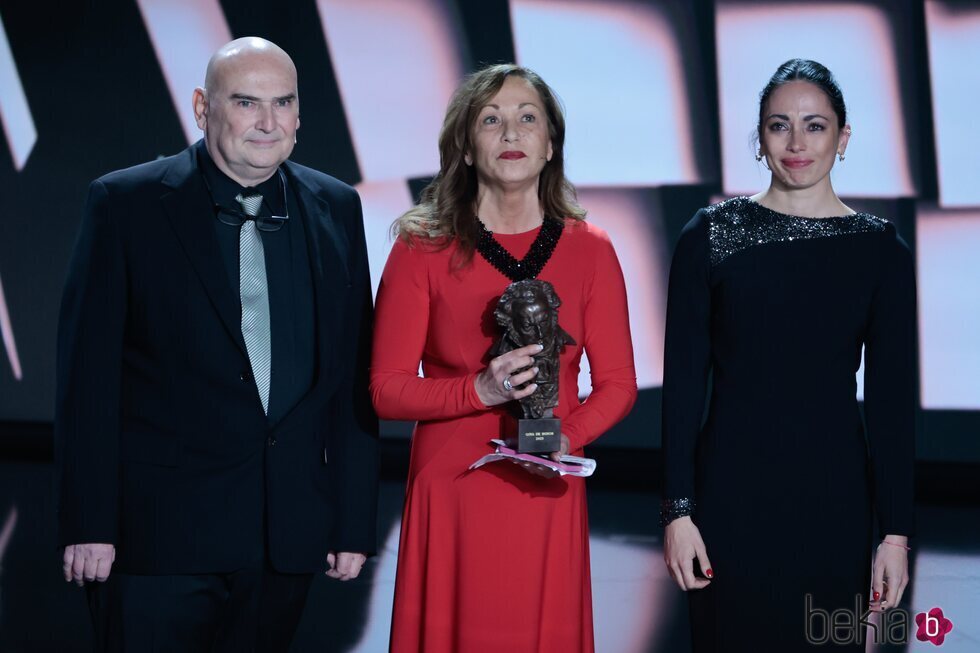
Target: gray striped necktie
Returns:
[[254, 290]]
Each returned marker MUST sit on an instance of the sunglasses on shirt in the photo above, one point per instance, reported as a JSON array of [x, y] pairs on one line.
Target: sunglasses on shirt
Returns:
[[236, 218]]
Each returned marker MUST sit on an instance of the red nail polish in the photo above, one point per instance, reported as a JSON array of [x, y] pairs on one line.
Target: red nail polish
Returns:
[[709, 573], [877, 595]]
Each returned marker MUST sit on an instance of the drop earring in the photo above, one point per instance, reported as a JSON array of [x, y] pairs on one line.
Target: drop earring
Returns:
[[758, 155], [840, 156]]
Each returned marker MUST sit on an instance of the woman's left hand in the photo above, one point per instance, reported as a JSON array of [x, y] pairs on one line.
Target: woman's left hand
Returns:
[[563, 451], [890, 573], [541, 470]]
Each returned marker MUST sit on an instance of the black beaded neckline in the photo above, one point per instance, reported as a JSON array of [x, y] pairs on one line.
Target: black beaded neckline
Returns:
[[740, 223], [531, 265], [778, 214]]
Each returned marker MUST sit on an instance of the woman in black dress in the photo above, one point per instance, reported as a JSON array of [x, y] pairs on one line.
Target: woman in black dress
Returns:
[[768, 503]]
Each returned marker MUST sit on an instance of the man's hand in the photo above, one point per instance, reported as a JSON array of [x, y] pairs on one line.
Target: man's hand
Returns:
[[345, 565], [88, 562]]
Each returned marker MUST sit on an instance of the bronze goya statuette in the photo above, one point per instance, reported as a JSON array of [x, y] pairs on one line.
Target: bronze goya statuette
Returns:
[[527, 313]]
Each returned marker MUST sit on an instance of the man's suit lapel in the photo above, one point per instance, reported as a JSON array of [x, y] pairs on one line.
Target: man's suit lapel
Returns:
[[188, 206], [328, 252]]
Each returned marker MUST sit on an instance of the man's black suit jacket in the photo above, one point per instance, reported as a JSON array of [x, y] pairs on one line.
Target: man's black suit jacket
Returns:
[[162, 446]]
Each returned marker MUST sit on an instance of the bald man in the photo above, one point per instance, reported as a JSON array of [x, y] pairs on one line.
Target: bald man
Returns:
[[215, 440]]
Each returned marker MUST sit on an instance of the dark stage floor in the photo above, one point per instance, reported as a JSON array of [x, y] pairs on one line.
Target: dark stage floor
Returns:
[[637, 607]]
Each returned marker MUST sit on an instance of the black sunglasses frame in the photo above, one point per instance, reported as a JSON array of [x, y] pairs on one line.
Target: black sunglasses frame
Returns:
[[234, 218]]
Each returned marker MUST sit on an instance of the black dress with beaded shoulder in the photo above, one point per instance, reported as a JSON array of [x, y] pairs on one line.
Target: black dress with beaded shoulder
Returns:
[[771, 312]]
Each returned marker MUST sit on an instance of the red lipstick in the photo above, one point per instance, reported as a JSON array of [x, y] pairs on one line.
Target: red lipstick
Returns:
[[512, 155]]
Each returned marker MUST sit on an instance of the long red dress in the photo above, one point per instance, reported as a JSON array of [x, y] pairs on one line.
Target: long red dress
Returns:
[[495, 559]]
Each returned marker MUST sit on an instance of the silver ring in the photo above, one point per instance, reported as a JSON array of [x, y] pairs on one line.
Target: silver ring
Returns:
[[508, 386]]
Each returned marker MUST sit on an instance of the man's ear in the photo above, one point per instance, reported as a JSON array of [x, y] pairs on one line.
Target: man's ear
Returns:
[[199, 102]]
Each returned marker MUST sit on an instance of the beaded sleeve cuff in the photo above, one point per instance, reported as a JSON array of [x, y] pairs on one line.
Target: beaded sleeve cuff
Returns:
[[671, 509]]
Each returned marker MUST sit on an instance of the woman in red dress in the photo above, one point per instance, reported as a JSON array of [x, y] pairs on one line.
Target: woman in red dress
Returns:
[[495, 559]]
